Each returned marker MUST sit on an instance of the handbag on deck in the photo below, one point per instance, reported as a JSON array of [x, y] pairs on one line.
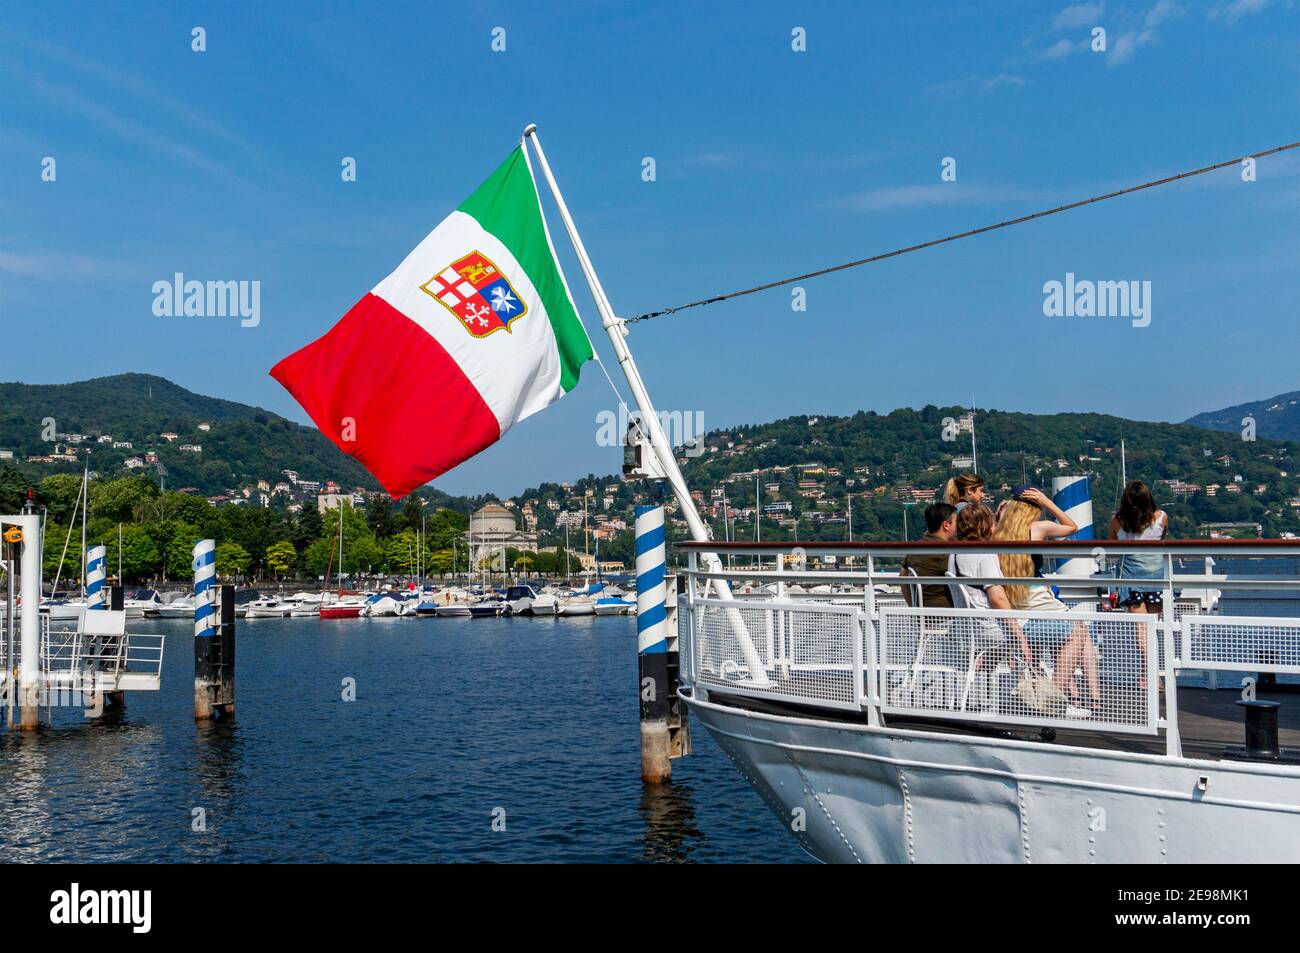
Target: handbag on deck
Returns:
[[1039, 693]]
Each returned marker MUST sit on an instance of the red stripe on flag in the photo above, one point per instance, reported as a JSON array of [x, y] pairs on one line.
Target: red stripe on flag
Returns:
[[414, 412]]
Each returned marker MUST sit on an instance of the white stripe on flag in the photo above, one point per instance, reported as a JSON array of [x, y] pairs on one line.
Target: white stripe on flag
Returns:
[[517, 372]]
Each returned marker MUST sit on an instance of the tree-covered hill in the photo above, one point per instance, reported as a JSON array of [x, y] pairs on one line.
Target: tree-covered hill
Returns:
[[1277, 418], [813, 463], [243, 443]]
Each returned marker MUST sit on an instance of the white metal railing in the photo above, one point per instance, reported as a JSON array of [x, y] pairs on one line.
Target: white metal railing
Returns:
[[855, 645], [1241, 644], [811, 651], [70, 655], [1089, 669]]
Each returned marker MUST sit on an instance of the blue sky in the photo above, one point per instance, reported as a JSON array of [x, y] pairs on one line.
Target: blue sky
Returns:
[[225, 165]]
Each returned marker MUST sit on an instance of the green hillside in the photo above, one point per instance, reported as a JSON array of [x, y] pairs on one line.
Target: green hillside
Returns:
[[244, 443], [1277, 418], [885, 460]]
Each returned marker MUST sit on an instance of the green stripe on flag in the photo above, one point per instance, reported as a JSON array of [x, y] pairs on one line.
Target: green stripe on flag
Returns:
[[506, 205]]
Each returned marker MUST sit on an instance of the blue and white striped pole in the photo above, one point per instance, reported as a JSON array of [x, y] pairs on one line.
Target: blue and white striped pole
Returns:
[[652, 644], [96, 557], [205, 594], [205, 581], [651, 556], [1073, 496]]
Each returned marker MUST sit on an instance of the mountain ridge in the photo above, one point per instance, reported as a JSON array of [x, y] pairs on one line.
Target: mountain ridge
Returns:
[[245, 442], [1277, 418]]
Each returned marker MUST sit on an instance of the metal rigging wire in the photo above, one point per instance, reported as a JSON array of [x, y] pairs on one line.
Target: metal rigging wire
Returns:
[[952, 238]]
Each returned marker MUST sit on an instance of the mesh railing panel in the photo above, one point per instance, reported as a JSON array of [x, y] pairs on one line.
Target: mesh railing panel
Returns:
[[806, 652], [1257, 602], [1242, 643], [1090, 670]]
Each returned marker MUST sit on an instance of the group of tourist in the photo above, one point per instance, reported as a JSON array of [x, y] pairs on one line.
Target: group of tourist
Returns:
[[1032, 516]]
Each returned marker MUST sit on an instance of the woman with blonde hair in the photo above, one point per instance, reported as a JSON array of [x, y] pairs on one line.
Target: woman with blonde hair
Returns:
[[1021, 520], [964, 488]]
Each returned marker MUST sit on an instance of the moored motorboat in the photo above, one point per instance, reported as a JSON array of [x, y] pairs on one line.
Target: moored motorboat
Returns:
[[486, 607], [139, 601], [615, 605], [520, 599], [344, 607], [182, 608], [576, 605], [269, 607], [63, 610], [544, 604]]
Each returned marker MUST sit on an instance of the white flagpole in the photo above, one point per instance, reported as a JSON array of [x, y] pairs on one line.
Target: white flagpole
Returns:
[[617, 332]]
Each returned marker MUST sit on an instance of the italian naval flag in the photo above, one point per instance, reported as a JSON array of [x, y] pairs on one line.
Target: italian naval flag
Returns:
[[473, 332]]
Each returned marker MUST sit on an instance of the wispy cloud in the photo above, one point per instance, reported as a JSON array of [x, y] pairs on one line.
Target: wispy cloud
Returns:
[[183, 112], [1124, 46], [1002, 79], [1062, 48], [123, 127], [944, 193], [172, 127], [64, 267], [1162, 11], [1233, 10], [715, 158], [981, 84], [1078, 15]]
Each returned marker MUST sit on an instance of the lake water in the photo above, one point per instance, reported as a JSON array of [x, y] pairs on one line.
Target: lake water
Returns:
[[455, 721]]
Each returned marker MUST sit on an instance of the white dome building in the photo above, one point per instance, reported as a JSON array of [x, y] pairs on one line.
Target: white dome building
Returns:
[[493, 530]]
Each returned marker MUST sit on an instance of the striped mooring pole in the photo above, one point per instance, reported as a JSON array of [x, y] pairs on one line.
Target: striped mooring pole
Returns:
[[1073, 495], [96, 556], [652, 644], [214, 637]]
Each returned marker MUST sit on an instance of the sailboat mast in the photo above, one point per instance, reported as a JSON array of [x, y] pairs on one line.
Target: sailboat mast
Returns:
[[85, 493]]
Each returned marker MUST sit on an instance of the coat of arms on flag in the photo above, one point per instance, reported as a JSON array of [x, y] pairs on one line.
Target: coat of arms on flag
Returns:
[[475, 291]]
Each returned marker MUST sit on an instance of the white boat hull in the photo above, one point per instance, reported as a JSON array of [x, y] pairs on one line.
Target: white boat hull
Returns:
[[174, 612], [64, 613], [888, 795]]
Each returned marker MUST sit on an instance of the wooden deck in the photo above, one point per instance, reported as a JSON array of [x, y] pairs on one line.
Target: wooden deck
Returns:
[[1208, 721]]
